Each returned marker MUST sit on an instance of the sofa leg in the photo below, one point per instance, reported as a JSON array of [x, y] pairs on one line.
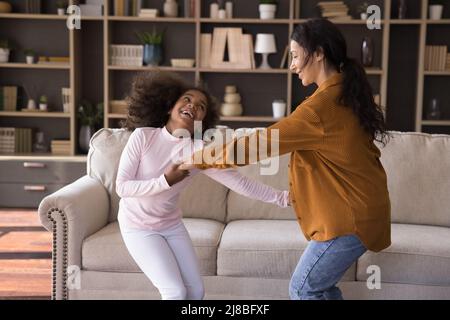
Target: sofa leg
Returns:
[[59, 253]]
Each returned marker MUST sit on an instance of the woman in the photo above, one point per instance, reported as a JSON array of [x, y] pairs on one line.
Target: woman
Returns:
[[337, 183]]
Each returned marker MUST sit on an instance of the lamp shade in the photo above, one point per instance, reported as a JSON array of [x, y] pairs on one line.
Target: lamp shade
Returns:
[[265, 43]]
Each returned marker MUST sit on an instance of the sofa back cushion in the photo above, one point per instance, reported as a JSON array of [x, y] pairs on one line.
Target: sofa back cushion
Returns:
[[242, 208], [418, 172], [203, 198]]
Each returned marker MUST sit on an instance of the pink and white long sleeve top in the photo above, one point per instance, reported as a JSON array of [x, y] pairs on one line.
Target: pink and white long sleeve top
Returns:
[[147, 200]]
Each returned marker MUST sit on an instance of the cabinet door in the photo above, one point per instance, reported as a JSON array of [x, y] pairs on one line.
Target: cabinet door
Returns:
[[25, 195], [35, 171]]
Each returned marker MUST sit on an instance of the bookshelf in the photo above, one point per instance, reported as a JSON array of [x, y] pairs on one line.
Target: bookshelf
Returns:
[[397, 74]]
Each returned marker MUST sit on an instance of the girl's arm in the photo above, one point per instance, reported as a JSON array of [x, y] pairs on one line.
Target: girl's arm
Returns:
[[245, 186], [127, 186]]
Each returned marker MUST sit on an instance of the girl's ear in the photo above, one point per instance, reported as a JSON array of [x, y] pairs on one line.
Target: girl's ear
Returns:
[[319, 55]]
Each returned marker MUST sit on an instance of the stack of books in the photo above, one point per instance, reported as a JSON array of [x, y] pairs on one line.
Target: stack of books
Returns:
[[60, 147], [334, 9], [436, 58], [33, 6], [148, 13], [92, 8], [16, 140], [240, 49], [8, 98]]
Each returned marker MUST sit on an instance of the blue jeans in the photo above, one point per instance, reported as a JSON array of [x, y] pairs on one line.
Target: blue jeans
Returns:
[[321, 267]]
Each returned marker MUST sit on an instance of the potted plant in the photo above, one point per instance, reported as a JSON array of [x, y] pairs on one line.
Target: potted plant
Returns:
[[152, 41], [61, 7], [90, 118], [267, 9], [362, 10], [43, 103], [5, 49], [436, 8], [29, 55]]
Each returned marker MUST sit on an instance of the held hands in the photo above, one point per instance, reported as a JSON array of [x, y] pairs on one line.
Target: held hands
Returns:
[[174, 173]]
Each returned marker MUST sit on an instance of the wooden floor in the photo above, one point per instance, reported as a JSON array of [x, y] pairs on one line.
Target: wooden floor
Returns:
[[25, 256]]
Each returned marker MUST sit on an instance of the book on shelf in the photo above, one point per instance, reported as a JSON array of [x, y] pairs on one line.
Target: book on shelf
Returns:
[[16, 140], [149, 13], [127, 55], [9, 98], [53, 60], [205, 50], [33, 6], [435, 58], [447, 63], [118, 106], [60, 147], [285, 57], [334, 10], [189, 8], [91, 10]]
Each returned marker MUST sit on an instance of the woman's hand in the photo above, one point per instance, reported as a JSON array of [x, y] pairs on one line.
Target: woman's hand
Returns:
[[175, 174]]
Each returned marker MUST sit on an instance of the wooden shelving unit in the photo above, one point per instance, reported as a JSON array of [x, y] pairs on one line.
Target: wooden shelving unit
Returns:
[[90, 74], [428, 37]]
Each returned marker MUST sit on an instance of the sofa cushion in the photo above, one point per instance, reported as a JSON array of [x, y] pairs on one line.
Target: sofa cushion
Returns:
[[418, 255], [106, 251], [417, 167], [243, 208], [263, 249], [106, 147]]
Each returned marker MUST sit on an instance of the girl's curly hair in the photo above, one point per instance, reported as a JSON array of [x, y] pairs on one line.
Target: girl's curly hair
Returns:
[[154, 94]]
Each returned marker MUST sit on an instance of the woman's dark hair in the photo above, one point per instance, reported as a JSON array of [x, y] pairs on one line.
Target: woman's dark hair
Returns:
[[321, 34], [154, 94]]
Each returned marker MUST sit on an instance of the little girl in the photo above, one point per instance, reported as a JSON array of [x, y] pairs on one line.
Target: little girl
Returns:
[[149, 182]]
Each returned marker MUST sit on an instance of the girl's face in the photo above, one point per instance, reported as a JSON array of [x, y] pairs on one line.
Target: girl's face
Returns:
[[307, 74], [190, 107]]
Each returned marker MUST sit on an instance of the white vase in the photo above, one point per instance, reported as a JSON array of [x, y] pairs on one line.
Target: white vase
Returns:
[[31, 105], [4, 55], [222, 14], [267, 11], [43, 106], [229, 9], [61, 11], [436, 11], [279, 108], [170, 8], [214, 11], [363, 16], [30, 59]]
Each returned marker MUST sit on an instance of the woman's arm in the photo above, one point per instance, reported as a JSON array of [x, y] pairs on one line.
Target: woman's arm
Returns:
[[302, 130], [127, 186], [245, 186]]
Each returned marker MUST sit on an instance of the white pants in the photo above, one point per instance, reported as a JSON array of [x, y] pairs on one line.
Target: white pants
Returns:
[[168, 259]]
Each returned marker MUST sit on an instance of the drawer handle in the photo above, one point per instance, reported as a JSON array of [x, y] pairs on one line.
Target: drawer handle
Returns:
[[33, 165], [34, 188]]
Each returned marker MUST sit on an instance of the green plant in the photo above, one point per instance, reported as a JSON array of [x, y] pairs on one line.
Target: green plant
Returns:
[[153, 37], [61, 4], [268, 2], [362, 8], [43, 99], [88, 115], [4, 44], [29, 52]]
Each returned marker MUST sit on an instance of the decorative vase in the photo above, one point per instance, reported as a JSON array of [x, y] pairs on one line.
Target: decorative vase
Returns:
[[363, 16], [222, 14], [436, 11], [5, 7], [214, 10], [229, 9], [30, 59], [231, 106], [61, 11], [267, 11], [85, 136], [31, 105], [152, 54], [402, 9], [39, 145], [367, 52], [433, 112], [171, 8], [43, 106], [4, 55]]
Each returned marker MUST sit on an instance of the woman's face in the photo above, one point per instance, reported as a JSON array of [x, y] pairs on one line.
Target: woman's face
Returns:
[[190, 107], [307, 74]]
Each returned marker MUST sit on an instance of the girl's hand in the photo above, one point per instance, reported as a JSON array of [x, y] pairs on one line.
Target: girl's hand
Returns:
[[175, 174]]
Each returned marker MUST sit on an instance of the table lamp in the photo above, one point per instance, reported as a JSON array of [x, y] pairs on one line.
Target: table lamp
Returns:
[[265, 44]]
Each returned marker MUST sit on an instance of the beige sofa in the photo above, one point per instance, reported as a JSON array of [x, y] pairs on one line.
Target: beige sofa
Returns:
[[248, 249]]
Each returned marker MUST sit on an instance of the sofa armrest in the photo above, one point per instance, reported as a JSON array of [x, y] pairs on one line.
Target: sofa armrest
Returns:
[[72, 214]]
